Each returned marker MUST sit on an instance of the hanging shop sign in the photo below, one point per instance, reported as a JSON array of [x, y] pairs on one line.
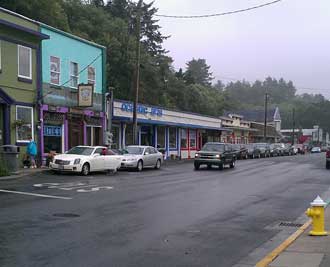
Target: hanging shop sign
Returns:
[[52, 130], [85, 95], [142, 109]]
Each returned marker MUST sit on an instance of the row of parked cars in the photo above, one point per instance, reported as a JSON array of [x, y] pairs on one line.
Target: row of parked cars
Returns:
[[221, 154], [86, 159]]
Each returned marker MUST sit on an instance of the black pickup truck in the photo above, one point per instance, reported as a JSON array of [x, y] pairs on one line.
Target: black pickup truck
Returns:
[[218, 154]]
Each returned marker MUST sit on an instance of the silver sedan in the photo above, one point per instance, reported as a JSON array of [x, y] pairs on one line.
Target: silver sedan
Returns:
[[139, 157]]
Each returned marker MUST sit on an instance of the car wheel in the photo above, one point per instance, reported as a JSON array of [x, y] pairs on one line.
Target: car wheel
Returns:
[[221, 166], [158, 164], [139, 166], [232, 164], [327, 165], [85, 169]]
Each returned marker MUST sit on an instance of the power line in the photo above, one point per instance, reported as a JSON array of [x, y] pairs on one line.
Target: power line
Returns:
[[217, 14]]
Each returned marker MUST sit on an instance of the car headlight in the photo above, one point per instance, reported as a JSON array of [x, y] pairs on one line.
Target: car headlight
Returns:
[[217, 156], [76, 161], [196, 155]]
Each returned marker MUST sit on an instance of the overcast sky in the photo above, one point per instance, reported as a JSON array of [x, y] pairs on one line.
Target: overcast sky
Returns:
[[289, 39]]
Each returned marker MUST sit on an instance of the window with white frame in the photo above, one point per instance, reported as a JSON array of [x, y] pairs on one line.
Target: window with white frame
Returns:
[[172, 137], [184, 141], [24, 62], [55, 70], [24, 123], [192, 137], [91, 75], [161, 137], [73, 74]]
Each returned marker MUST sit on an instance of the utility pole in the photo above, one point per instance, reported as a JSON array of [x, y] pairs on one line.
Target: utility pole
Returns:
[[265, 122], [137, 72], [109, 103], [293, 125]]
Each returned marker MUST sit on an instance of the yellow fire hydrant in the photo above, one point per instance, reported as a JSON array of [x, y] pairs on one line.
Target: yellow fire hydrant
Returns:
[[316, 212]]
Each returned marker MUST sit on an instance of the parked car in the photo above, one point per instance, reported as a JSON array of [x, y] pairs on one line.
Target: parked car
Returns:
[[316, 149], [280, 148], [139, 157], [214, 153], [274, 150], [300, 148], [288, 150], [264, 149], [241, 151], [253, 151], [85, 159], [327, 159]]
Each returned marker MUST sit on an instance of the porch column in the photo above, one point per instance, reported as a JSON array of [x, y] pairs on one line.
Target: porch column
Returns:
[[6, 125]]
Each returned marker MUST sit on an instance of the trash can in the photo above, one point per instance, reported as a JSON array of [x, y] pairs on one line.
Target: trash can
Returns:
[[9, 156]]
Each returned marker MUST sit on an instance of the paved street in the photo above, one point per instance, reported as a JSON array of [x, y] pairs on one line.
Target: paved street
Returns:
[[172, 217]]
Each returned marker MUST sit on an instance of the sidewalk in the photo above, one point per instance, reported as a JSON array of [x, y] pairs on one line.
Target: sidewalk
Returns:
[[306, 250], [21, 173]]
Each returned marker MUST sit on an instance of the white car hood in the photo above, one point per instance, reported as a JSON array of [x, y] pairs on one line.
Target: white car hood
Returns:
[[131, 156], [69, 157]]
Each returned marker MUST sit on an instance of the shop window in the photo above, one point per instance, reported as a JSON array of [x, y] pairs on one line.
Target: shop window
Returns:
[[172, 137], [24, 62], [184, 141], [55, 70], [24, 122], [161, 137], [73, 74], [94, 135], [52, 138], [129, 135], [91, 75], [192, 137]]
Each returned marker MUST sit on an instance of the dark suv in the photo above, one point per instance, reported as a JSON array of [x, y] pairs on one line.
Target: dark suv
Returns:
[[214, 153]]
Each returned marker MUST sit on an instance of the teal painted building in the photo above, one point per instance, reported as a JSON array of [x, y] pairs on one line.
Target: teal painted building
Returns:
[[68, 61]]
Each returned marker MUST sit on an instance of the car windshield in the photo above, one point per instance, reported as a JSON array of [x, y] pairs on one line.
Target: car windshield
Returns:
[[133, 150], [78, 150], [214, 147]]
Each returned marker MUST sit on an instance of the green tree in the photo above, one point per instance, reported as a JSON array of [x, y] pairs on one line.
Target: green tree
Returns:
[[198, 72]]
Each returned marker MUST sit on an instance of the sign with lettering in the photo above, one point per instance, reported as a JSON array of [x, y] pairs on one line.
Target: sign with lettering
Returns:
[[85, 95], [142, 109], [52, 130]]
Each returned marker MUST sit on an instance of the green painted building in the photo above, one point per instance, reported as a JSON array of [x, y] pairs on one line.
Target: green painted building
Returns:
[[20, 78]]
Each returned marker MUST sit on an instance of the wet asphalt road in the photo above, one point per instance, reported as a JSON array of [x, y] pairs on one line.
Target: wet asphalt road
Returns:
[[172, 217]]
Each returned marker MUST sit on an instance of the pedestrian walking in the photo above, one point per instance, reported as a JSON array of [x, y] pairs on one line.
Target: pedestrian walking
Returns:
[[31, 150]]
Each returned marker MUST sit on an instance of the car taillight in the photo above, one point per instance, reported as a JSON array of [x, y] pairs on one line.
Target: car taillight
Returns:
[[328, 154]]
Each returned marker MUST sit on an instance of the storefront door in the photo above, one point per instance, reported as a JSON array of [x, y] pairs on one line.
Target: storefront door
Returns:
[[76, 137], [146, 136]]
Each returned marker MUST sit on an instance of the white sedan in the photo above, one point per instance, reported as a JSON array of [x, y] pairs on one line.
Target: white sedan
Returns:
[[86, 159], [138, 157]]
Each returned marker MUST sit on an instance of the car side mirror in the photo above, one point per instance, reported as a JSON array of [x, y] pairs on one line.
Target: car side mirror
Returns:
[[96, 155]]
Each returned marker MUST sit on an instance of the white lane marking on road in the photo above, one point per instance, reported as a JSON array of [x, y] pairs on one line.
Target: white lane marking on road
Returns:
[[76, 187], [94, 189], [32, 194]]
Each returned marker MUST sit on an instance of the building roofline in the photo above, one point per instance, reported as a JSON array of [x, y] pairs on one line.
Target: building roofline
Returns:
[[70, 35], [18, 15]]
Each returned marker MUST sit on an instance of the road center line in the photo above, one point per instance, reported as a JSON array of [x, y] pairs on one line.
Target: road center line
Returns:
[[32, 194]]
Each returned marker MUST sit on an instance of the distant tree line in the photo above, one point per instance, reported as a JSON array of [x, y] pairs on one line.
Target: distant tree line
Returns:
[[113, 25]]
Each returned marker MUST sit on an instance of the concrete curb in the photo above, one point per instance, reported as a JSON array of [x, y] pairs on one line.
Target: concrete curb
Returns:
[[277, 251]]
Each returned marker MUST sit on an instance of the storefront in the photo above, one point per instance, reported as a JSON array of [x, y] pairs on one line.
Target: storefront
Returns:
[[177, 134], [64, 128]]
